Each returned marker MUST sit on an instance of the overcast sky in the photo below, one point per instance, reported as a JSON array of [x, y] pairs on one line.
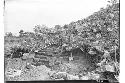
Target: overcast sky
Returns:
[[25, 14]]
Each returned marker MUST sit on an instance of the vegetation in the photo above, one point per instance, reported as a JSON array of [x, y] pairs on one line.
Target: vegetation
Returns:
[[86, 48]]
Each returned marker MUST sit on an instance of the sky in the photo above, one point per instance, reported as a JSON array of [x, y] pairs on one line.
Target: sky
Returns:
[[26, 14]]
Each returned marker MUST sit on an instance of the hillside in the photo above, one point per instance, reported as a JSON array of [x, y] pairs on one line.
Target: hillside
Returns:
[[84, 49]]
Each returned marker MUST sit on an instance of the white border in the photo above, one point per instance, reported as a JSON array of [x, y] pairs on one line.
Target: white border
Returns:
[[122, 42], [1, 43]]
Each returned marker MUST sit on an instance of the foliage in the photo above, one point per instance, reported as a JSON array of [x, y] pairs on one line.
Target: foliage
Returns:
[[9, 34], [95, 36]]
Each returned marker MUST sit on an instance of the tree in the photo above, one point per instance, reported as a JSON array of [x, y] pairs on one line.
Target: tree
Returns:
[[41, 29], [21, 33], [65, 26], [113, 1], [58, 27], [8, 34]]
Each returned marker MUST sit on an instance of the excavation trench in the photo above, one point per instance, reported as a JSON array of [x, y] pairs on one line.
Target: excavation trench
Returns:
[[82, 62]]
